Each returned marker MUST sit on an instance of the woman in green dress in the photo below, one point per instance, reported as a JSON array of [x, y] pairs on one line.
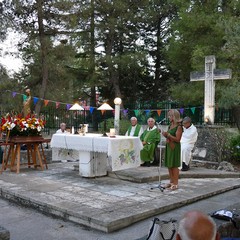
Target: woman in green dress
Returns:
[[173, 148]]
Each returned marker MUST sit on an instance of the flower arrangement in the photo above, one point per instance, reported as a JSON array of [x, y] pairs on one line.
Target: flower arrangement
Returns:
[[22, 126]]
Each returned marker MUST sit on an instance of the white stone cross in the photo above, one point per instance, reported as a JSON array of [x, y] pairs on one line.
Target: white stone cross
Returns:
[[209, 76]]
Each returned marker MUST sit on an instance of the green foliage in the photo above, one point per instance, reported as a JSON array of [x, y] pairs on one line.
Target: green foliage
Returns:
[[124, 124], [109, 124], [230, 95], [235, 146], [188, 93], [108, 44]]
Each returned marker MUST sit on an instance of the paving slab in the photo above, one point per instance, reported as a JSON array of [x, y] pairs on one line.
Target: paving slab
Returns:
[[110, 203]]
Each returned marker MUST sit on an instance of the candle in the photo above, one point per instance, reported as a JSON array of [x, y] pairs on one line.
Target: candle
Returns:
[[86, 127], [112, 131]]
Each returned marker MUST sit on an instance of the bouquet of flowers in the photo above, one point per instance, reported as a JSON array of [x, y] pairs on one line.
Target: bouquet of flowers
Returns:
[[20, 126]]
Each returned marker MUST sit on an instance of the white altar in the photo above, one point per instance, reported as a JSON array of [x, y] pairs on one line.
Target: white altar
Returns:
[[97, 154]]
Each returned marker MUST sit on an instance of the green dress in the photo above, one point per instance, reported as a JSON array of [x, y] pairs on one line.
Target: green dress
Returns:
[[152, 138], [173, 152]]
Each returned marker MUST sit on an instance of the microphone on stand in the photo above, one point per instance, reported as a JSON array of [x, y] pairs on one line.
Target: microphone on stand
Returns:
[[161, 121]]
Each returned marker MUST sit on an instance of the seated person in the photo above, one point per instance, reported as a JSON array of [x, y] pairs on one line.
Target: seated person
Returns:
[[62, 128], [189, 137], [135, 129], [150, 138], [195, 226]]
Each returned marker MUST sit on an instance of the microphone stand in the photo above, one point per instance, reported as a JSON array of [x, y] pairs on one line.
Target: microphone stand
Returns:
[[159, 186]]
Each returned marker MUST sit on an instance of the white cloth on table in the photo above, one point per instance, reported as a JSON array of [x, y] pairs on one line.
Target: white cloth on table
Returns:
[[123, 152], [189, 137]]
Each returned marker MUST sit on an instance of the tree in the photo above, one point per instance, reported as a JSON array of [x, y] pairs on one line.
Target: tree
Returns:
[[42, 24], [196, 35]]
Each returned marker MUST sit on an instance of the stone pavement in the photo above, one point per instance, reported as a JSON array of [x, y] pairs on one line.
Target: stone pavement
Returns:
[[110, 203]]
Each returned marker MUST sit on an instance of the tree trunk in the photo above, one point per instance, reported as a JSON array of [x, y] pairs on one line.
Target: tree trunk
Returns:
[[113, 75], [92, 68], [43, 49], [236, 116]]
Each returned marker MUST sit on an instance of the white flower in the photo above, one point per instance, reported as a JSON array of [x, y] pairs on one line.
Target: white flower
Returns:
[[12, 125]]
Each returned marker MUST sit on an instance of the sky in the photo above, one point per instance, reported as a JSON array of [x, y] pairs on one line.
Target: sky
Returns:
[[8, 50]]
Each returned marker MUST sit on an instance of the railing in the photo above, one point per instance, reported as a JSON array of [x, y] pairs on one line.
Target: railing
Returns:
[[54, 116]]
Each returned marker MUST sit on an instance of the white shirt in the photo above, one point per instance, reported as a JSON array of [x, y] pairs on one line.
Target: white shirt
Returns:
[[60, 131], [189, 135]]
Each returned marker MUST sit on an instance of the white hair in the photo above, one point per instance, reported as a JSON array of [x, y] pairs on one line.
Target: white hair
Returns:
[[133, 118], [152, 119], [184, 234], [62, 124]]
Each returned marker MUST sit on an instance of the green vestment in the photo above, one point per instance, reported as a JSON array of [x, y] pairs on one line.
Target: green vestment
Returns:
[[136, 132], [152, 138]]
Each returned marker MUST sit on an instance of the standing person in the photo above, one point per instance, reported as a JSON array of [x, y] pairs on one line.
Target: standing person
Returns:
[[173, 148], [197, 226], [189, 137], [62, 128], [27, 103], [150, 138], [135, 129]]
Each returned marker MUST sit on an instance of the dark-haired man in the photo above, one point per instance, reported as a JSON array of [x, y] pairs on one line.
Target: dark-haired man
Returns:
[[188, 139]]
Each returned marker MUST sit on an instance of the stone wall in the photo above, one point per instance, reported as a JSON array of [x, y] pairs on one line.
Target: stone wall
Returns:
[[211, 144]]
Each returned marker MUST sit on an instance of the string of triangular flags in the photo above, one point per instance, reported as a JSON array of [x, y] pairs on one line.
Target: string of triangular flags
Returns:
[[125, 112]]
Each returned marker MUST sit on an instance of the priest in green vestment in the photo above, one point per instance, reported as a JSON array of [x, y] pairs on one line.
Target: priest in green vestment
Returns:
[[150, 138], [135, 129]]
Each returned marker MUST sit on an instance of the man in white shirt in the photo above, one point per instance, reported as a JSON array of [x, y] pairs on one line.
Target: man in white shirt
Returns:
[[189, 137], [62, 128], [135, 129]]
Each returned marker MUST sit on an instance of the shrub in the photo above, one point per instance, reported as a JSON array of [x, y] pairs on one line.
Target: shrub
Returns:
[[235, 146]]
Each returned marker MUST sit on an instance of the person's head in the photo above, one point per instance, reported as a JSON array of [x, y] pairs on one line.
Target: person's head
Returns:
[[187, 122], [196, 225], [151, 122], [133, 121], [174, 116], [63, 126], [28, 92]]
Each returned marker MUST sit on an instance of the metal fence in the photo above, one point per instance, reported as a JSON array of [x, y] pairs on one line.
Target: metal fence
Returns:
[[142, 111], [74, 118]]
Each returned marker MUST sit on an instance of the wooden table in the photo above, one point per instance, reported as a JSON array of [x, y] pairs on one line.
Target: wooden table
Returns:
[[35, 157]]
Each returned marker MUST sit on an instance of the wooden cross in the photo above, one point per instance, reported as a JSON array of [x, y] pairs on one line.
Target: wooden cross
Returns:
[[209, 76]]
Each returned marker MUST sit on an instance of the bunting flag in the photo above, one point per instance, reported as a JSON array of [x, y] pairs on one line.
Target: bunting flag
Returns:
[[24, 97], [103, 111], [159, 112], [46, 102], [68, 106], [181, 110], [125, 112], [57, 105], [35, 100], [91, 109], [193, 109], [136, 112], [147, 112]]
